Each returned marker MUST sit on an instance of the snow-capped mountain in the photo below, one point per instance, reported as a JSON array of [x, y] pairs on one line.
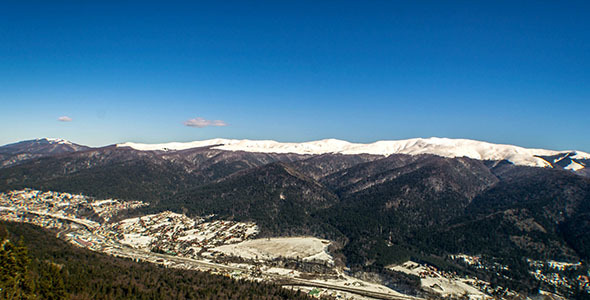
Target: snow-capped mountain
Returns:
[[438, 146], [21, 151], [42, 146]]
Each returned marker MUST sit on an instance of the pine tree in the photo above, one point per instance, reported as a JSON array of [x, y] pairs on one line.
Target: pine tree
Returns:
[[15, 280], [51, 282]]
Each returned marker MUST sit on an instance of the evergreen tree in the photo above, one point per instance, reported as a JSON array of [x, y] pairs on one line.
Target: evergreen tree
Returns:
[[15, 280], [51, 282]]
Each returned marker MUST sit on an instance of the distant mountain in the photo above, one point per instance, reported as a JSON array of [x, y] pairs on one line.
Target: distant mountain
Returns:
[[42, 146], [438, 146], [21, 151], [132, 174]]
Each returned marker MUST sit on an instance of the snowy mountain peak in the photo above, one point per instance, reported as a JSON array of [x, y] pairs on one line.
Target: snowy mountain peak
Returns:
[[55, 141], [16, 153]]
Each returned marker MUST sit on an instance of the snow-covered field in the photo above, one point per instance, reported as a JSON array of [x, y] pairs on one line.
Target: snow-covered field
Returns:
[[446, 286], [168, 231], [305, 248]]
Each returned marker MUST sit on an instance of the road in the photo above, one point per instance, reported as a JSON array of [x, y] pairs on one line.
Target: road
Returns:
[[358, 291], [90, 225]]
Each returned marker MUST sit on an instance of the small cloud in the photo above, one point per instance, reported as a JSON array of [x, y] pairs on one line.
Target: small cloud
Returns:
[[64, 119], [200, 123]]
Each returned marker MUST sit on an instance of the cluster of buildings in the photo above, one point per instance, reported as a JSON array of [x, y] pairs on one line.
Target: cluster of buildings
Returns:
[[46, 209], [449, 284], [471, 260], [49, 203], [479, 262], [552, 273], [549, 272], [16, 215], [63, 205], [177, 234], [76, 218], [84, 238], [107, 209], [86, 222], [554, 265]]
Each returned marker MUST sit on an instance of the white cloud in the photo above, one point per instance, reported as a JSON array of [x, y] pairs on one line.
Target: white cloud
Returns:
[[200, 123], [64, 119]]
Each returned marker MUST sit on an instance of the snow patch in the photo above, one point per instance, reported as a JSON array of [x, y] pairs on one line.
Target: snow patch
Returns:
[[56, 141], [580, 155], [305, 248], [433, 280], [574, 166], [136, 240], [102, 202], [176, 145]]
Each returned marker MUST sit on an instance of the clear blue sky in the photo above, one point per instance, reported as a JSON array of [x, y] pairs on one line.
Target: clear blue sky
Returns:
[[500, 71]]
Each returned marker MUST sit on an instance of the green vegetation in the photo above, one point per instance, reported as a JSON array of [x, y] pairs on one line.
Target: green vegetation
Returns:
[[23, 278]]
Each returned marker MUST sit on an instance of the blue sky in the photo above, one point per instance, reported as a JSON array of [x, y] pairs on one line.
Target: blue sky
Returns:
[[515, 72]]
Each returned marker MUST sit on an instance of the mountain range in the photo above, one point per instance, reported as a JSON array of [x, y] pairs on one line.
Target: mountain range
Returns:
[[445, 147], [381, 203]]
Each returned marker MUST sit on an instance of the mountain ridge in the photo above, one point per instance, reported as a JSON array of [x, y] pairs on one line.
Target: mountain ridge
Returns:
[[571, 160], [16, 153], [445, 147]]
